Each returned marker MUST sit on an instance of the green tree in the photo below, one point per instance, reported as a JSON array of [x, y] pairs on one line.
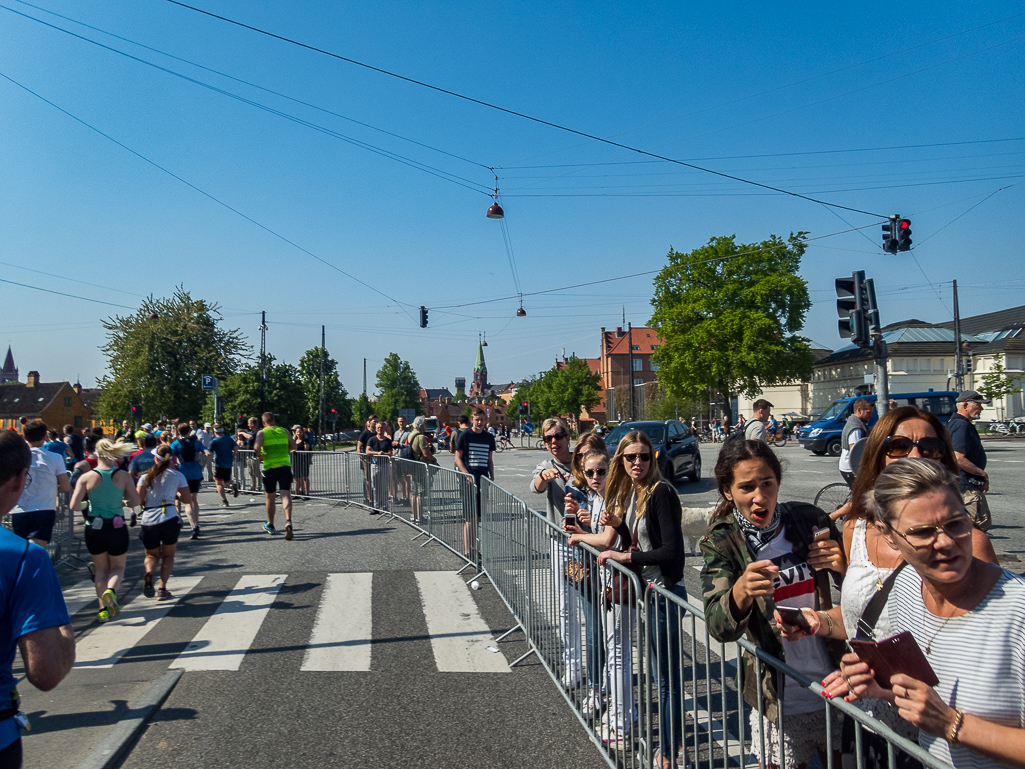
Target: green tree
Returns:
[[283, 393], [998, 383], [158, 354], [729, 314], [560, 391], [335, 396], [398, 388], [361, 408]]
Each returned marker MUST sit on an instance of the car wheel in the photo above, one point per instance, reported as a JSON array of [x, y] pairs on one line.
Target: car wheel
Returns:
[[695, 470], [833, 447]]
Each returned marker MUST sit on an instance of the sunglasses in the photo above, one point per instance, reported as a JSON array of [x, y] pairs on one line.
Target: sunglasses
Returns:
[[925, 536], [897, 447], [631, 458], [557, 437], [601, 472]]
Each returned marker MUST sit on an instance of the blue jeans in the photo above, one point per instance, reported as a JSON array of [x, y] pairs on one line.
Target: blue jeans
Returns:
[[666, 657], [591, 606]]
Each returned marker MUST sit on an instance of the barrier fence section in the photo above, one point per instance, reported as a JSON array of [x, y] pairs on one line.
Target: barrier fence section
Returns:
[[635, 661], [62, 544]]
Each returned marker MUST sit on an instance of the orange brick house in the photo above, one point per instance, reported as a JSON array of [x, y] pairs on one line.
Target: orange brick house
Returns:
[[56, 403]]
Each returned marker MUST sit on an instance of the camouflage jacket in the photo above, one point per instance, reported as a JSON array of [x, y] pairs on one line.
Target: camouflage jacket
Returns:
[[726, 555]]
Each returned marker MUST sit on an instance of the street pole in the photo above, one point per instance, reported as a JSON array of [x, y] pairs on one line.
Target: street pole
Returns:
[[958, 368], [217, 400], [263, 361], [879, 350], [630, 373], [320, 429]]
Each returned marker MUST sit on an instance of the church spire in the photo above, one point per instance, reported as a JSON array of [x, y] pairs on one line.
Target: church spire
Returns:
[[480, 365]]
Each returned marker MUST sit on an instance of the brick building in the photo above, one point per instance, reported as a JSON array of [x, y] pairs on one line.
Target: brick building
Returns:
[[56, 403], [624, 361]]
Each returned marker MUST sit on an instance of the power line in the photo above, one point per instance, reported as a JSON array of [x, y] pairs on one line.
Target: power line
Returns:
[[207, 195], [72, 296], [515, 113]]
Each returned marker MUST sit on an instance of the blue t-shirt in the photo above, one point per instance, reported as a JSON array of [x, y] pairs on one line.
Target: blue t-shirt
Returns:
[[31, 600], [223, 448], [142, 462], [193, 471], [57, 447]]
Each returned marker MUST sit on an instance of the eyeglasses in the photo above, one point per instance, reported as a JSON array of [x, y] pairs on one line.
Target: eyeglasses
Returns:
[[897, 447], [556, 437], [925, 536], [631, 458], [601, 472]]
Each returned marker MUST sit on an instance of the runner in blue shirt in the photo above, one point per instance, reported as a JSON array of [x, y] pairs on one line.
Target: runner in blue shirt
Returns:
[[187, 449], [223, 448], [34, 617]]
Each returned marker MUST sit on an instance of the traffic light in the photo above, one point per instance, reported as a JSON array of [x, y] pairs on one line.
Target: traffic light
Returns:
[[136, 411], [423, 316], [904, 235], [238, 421], [852, 307], [890, 235]]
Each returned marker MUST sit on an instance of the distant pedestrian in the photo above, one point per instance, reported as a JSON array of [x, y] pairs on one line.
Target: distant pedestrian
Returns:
[[462, 425], [75, 443], [369, 431], [222, 456], [206, 436], [379, 449], [400, 441], [854, 430], [754, 430], [475, 454], [971, 456], [36, 512], [421, 478], [272, 447], [301, 462]]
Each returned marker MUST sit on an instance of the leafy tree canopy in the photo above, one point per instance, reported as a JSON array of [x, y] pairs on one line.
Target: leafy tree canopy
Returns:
[[158, 354], [335, 396], [283, 394], [729, 315], [362, 408], [998, 383], [398, 388], [560, 391]]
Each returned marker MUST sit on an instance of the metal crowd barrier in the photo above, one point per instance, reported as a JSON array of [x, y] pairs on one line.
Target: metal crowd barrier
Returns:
[[62, 545], [635, 662]]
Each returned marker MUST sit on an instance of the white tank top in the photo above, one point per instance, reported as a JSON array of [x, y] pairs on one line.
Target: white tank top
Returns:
[[860, 583]]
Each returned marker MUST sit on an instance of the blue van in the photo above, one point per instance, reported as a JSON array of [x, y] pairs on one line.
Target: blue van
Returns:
[[823, 435]]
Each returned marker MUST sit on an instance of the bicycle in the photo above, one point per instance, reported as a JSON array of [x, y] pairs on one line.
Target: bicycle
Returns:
[[777, 438], [832, 497]]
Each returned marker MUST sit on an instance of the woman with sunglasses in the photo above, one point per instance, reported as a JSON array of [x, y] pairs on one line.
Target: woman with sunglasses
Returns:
[[596, 530], [967, 615], [651, 509], [901, 433], [759, 552]]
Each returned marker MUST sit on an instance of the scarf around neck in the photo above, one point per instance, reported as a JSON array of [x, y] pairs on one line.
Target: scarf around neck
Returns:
[[756, 537]]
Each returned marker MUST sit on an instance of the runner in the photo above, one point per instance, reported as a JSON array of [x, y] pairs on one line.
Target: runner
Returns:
[[222, 456], [188, 450], [272, 447], [161, 523], [106, 536], [36, 513]]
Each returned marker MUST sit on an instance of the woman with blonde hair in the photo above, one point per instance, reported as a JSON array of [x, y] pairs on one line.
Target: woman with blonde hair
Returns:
[[161, 522], [106, 534], [650, 507]]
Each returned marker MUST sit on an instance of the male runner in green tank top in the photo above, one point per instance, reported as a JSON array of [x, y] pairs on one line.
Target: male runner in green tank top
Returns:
[[272, 447]]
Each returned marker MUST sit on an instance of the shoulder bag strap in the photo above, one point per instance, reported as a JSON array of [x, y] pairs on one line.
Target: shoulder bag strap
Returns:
[[869, 617]]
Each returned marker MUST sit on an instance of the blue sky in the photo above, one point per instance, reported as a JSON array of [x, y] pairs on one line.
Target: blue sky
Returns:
[[280, 192]]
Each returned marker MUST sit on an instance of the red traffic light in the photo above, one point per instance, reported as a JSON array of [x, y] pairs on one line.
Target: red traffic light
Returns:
[[334, 411], [525, 404], [905, 224]]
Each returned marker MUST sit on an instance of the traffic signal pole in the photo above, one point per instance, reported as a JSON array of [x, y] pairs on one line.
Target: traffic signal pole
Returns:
[[879, 350]]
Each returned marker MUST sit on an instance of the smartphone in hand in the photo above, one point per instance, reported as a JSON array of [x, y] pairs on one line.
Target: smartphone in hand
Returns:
[[570, 519], [791, 615]]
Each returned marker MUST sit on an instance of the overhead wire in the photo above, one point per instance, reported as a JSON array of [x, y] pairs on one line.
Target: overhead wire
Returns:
[[62, 293], [208, 195], [506, 110]]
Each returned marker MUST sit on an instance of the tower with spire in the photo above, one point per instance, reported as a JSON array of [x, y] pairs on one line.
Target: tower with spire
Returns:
[[479, 387], [9, 373]]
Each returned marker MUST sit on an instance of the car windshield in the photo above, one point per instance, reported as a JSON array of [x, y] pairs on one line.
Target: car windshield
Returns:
[[834, 411], [656, 431]]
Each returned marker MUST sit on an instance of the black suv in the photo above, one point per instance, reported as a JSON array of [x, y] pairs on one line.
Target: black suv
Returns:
[[676, 447]]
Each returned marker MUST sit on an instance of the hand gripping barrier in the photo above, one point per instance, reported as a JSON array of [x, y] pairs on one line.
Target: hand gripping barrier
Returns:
[[635, 661]]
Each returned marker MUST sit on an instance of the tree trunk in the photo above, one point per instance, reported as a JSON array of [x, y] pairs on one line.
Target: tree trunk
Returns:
[[727, 403]]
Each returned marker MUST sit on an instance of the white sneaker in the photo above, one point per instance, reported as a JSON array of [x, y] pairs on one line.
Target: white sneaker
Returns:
[[613, 738], [592, 705]]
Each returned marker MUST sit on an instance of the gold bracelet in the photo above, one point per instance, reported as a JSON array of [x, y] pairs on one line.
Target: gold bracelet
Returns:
[[955, 728], [829, 619]]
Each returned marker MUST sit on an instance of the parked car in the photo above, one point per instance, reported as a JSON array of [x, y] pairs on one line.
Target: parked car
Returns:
[[676, 447], [822, 436]]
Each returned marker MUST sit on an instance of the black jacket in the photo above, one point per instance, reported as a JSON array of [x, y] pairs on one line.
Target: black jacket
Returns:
[[664, 516]]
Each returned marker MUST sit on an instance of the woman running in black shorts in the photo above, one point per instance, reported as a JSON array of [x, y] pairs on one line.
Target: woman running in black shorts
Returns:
[[106, 533], [161, 522]]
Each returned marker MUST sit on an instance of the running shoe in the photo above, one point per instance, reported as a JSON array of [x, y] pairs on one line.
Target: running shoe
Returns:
[[163, 594], [147, 585], [234, 488], [288, 531], [269, 528], [110, 602], [195, 533], [224, 503], [103, 615]]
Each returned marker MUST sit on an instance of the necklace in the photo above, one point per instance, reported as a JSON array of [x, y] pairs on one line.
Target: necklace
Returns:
[[878, 569], [929, 640]]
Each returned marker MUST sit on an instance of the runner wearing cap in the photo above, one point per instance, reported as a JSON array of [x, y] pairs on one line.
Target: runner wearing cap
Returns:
[[222, 458]]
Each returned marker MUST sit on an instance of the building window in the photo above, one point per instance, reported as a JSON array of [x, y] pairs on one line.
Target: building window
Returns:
[[67, 402], [78, 421], [635, 347], [638, 381], [654, 365], [638, 364], [652, 347]]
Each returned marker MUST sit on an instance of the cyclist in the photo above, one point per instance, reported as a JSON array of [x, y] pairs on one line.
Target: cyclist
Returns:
[[272, 447]]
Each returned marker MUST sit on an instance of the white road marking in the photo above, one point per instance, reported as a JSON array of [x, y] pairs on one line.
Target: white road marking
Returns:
[[79, 596], [459, 635], [341, 638], [227, 635], [108, 643]]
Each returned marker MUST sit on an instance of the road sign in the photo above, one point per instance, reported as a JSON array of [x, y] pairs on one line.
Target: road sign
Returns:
[[209, 382]]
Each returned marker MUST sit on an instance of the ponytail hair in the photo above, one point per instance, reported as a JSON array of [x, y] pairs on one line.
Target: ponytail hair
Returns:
[[163, 455]]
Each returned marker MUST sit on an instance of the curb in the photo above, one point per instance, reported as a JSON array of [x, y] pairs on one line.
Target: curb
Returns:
[[113, 747]]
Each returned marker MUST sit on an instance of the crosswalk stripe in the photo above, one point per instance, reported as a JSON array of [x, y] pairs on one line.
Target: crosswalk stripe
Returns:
[[458, 633], [79, 596], [227, 635], [342, 632], [108, 643]]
